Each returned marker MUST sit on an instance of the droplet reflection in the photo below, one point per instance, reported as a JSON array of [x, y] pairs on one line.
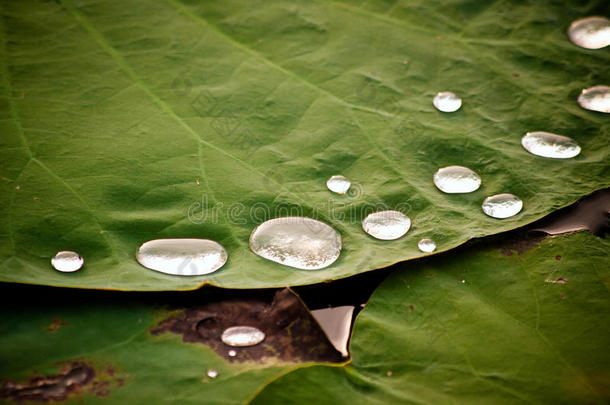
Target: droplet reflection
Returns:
[[550, 145], [502, 205], [386, 225], [67, 261], [182, 257]]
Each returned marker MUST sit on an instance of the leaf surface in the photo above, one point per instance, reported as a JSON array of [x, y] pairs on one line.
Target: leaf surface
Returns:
[[126, 123]]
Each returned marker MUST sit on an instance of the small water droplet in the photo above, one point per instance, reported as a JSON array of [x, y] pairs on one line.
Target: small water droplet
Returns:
[[596, 98], [502, 205], [590, 32], [17, 187], [232, 353], [386, 225], [300, 242], [550, 145], [447, 101], [463, 281], [182, 257], [212, 373], [426, 245], [456, 179], [67, 261], [338, 184], [239, 336]]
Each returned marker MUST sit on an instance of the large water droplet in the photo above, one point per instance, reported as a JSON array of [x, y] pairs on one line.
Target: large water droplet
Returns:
[[550, 145], [427, 245], [502, 205], [182, 257], [67, 261], [456, 179], [300, 242], [338, 184], [212, 373], [596, 98], [590, 32], [386, 225], [447, 101], [239, 336]]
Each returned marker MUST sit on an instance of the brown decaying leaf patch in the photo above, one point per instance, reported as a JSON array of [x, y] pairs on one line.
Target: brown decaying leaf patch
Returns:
[[73, 378], [292, 334], [521, 242]]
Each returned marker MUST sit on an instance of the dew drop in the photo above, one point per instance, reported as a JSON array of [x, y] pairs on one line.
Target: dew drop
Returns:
[[386, 225], [232, 353], [182, 257], [456, 179], [338, 184], [427, 245], [590, 32], [239, 336], [212, 373], [300, 242], [550, 145], [447, 101], [502, 205], [596, 98], [67, 261]]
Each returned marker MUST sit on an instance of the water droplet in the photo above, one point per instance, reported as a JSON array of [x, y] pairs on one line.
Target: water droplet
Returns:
[[426, 245], [596, 98], [212, 373], [300, 242], [67, 261], [386, 225], [232, 353], [182, 257], [502, 205], [447, 101], [456, 179], [338, 184], [550, 145], [590, 32], [239, 336]]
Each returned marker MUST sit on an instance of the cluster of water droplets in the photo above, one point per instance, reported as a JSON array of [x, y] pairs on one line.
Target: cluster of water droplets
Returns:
[[309, 244]]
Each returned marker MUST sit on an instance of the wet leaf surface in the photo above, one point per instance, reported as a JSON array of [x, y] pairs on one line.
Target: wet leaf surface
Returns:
[[182, 119], [477, 326], [115, 348]]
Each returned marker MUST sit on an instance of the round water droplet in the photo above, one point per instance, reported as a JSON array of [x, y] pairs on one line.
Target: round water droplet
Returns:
[[386, 225], [596, 98], [502, 205], [239, 336], [300, 242], [232, 353], [550, 145], [447, 101], [338, 184], [67, 261], [456, 179], [182, 257], [426, 245], [590, 32], [212, 373]]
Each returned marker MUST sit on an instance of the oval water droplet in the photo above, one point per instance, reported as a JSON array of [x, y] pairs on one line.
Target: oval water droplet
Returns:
[[427, 245], [447, 101], [182, 257], [212, 373], [590, 32], [502, 205], [596, 98], [240, 336], [456, 179], [386, 225], [338, 184], [300, 242], [232, 353], [67, 261], [547, 144]]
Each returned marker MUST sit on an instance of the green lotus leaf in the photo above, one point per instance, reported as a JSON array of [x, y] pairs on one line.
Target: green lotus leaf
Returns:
[[126, 122]]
